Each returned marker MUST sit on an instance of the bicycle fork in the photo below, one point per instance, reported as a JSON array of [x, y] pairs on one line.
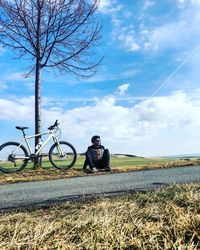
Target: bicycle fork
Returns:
[[60, 151]]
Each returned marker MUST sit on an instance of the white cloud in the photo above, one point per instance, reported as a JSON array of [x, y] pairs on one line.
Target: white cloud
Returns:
[[130, 42], [105, 4], [127, 37], [126, 129], [181, 33], [153, 34], [127, 14], [22, 109], [2, 50], [11, 79], [147, 4], [109, 6], [157, 126], [196, 2], [181, 1], [170, 35], [106, 76], [16, 76], [122, 89], [3, 86]]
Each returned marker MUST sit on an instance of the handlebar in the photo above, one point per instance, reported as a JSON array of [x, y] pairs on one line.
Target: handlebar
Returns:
[[54, 125]]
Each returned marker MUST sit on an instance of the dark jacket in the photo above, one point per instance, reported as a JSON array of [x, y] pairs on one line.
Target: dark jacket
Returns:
[[96, 152]]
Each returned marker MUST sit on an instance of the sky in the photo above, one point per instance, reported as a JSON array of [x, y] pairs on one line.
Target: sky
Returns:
[[144, 99]]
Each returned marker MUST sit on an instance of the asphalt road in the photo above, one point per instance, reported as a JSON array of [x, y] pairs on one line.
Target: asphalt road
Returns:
[[45, 193]]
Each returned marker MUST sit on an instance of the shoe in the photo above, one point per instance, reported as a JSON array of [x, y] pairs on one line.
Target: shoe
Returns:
[[107, 169], [94, 170]]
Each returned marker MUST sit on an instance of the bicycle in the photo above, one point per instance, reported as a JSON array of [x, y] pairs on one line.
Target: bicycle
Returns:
[[15, 156]]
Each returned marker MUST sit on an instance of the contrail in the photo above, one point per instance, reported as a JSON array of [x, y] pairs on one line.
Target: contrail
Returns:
[[175, 71]]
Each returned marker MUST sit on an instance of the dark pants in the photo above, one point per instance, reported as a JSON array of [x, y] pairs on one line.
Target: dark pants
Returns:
[[102, 163]]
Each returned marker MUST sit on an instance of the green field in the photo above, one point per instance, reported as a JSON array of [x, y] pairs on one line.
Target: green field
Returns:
[[127, 162], [119, 162], [116, 162]]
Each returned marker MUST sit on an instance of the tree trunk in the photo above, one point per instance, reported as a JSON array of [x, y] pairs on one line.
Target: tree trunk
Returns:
[[38, 82], [37, 107]]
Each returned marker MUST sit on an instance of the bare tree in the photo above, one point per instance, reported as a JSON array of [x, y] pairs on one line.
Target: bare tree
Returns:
[[57, 34]]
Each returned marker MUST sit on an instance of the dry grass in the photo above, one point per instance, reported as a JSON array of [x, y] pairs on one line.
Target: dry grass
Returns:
[[39, 175], [118, 166], [164, 219]]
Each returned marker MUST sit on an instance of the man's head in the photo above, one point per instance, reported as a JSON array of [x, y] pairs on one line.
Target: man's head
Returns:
[[96, 140]]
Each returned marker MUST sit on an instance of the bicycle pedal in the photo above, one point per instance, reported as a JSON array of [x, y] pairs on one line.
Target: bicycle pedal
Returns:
[[33, 157]]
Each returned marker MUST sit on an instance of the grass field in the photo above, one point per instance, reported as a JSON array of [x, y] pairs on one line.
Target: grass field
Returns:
[[163, 219], [133, 162], [115, 161], [118, 164]]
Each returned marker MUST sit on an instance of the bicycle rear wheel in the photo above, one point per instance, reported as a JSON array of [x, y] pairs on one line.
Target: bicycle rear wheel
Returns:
[[62, 156], [13, 157]]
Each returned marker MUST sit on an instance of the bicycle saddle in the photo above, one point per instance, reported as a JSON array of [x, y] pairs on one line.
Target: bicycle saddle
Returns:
[[21, 128]]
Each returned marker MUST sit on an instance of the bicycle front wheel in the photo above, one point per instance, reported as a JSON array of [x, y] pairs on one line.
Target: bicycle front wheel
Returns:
[[13, 157], [62, 155]]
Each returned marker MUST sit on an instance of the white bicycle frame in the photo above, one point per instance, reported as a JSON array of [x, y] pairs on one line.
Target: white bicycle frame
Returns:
[[42, 145]]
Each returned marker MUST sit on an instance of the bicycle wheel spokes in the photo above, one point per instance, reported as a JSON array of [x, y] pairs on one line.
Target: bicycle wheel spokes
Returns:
[[13, 157], [62, 156]]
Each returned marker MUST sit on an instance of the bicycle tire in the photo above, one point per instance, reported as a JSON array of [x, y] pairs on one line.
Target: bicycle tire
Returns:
[[66, 161], [10, 163]]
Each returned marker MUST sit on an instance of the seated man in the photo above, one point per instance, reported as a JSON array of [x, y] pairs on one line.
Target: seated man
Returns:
[[97, 157]]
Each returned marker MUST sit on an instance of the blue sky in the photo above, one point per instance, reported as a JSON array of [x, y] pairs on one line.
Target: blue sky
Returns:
[[144, 42]]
